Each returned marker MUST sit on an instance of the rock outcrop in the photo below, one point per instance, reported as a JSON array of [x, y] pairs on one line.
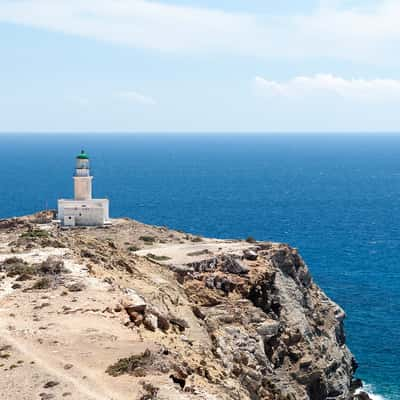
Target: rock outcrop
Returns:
[[274, 330], [166, 315]]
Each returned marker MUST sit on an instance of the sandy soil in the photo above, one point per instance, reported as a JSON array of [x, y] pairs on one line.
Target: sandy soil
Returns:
[[58, 344]]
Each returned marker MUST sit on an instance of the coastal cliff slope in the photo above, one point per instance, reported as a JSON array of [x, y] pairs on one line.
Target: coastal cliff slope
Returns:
[[133, 311]]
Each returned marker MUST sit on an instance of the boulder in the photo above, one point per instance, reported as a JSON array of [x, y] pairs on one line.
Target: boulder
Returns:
[[208, 265], [268, 329], [250, 255], [150, 322], [362, 396], [162, 322], [234, 266], [162, 319], [133, 302]]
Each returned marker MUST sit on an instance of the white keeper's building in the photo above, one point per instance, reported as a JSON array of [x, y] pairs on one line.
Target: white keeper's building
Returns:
[[83, 210]]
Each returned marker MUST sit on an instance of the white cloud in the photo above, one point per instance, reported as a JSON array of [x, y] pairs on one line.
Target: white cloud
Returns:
[[329, 31], [327, 85], [138, 23], [137, 98], [326, 102]]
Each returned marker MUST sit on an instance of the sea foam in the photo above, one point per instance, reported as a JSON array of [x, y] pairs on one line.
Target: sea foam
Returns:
[[370, 391]]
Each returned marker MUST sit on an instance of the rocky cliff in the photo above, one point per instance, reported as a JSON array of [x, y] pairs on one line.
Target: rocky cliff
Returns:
[[140, 312]]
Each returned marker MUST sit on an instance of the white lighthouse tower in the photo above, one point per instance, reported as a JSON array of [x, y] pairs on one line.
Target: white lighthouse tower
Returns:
[[83, 210], [82, 178]]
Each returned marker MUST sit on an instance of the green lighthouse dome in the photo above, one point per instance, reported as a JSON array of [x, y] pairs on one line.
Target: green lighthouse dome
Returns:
[[82, 156]]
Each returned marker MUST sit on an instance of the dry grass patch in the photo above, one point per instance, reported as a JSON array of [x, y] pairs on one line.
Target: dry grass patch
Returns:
[[157, 258], [35, 233], [148, 239], [133, 248], [130, 364], [42, 284]]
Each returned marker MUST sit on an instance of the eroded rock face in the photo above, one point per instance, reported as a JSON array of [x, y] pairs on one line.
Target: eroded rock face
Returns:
[[282, 337], [221, 320]]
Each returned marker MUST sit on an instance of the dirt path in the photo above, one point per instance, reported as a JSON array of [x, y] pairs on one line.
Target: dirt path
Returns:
[[83, 383]]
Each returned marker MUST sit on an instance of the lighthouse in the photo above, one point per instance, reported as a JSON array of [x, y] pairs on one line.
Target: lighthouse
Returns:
[[83, 210]]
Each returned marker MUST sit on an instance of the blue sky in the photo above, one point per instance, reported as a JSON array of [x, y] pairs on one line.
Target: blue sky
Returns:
[[199, 66]]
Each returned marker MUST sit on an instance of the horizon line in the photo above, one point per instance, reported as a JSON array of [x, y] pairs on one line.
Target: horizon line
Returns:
[[190, 133]]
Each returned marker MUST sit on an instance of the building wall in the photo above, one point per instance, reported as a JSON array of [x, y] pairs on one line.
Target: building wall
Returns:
[[86, 213]]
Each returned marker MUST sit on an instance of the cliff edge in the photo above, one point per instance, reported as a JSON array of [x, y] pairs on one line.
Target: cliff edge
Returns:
[[134, 311]]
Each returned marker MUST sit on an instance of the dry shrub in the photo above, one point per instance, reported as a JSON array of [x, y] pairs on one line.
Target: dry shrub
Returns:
[[129, 364]]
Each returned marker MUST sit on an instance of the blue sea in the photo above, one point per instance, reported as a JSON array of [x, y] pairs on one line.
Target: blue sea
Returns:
[[334, 197]]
